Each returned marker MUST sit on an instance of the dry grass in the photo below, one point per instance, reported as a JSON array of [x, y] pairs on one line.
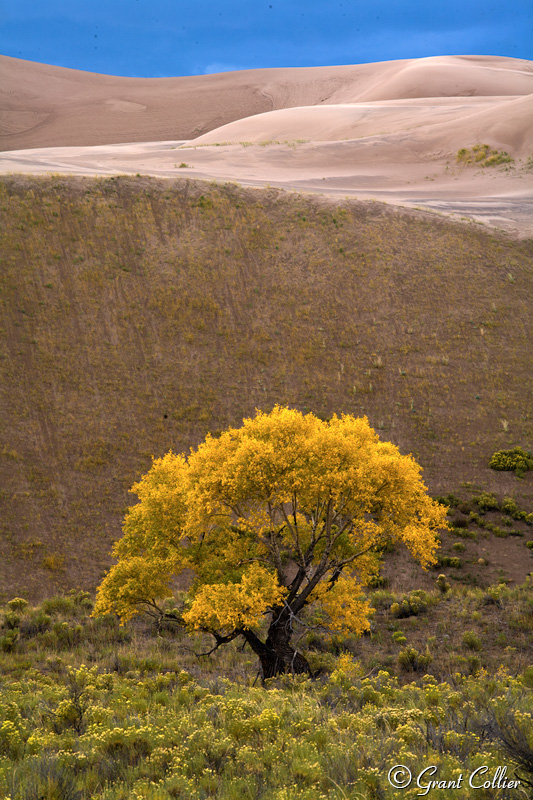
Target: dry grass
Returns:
[[138, 314]]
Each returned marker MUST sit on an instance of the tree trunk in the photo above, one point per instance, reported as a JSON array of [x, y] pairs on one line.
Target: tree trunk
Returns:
[[276, 655]]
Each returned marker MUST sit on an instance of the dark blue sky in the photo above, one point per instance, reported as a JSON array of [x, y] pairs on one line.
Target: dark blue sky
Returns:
[[154, 38]]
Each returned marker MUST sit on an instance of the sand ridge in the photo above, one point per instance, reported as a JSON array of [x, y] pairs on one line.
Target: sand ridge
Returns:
[[387, 131]]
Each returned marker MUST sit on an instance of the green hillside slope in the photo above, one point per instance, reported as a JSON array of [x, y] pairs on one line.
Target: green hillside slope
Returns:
[[137, 315]]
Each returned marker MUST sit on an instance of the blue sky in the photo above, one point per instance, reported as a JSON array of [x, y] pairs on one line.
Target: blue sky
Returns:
[[155, 38]]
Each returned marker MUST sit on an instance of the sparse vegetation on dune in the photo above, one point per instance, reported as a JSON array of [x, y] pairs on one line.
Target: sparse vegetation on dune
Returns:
[[483, 155], [137, 315]]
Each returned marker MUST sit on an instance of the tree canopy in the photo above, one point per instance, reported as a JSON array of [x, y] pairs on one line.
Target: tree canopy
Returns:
[[286, 513]]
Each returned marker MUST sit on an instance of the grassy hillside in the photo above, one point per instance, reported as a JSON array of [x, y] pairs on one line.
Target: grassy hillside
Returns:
[[137, 315], [94, 710]]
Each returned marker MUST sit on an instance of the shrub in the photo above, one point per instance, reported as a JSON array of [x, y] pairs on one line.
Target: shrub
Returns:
[[527, 677], [449, 561], [71, 712], [378, 582], [411, 605], [11, 620], [38, 622], [62, 636], [483, 155], [459, 522], [449, 500], [11, 744], [510, 507], [58, 605], [81, 599], [45, 777], [497, 594], [8, 641], [442, 584], [471, 640], [399, 637], [465, 533], [516, 460], [17, 604], [500, 532], [510, 731], [410, 660], [486, 501], [381, 598]]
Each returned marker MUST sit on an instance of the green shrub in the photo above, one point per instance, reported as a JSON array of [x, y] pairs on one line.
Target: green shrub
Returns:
[[510, 507], [11, 744], [11, 620], [486, 501], [497, 594], [411, 605], [81, 599], [442, 584], [465, 533], [449, 500], [378, 582], [483, 155], [500, 532], [410, 660], [46, 778], [381, 598], [449, 561], [37, 622], [58, 605], [321, 663], [460, 523], [516, 460], [399, 637], [17, 604], [62, 636], [8, 641], [471, 640], [527, 677]]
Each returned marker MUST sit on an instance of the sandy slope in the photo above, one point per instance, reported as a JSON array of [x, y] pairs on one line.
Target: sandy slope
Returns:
[[388, 131]]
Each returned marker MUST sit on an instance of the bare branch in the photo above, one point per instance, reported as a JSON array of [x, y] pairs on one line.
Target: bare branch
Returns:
[[295, 535], [220, 640]]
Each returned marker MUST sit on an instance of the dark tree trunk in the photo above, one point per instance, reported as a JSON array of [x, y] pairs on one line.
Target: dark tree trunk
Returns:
[[276, 655]]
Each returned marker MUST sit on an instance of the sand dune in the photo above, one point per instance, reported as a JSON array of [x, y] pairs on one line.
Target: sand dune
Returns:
[[389, 131], [505, 120], [453, 77], [46, 106]]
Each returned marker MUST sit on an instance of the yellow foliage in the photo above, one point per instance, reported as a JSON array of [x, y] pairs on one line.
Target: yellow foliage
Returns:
[[158, 522], [343, 608], [286, 506], [224, 607]]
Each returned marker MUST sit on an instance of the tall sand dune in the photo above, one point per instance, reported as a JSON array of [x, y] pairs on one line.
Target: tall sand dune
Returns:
[[387, 131], [505, 120], [46, 106]]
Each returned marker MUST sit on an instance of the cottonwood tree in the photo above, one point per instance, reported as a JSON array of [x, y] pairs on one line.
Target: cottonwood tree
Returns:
[[281, 523]]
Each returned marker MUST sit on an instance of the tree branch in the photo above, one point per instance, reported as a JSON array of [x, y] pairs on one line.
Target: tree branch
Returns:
[[220, 640]]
